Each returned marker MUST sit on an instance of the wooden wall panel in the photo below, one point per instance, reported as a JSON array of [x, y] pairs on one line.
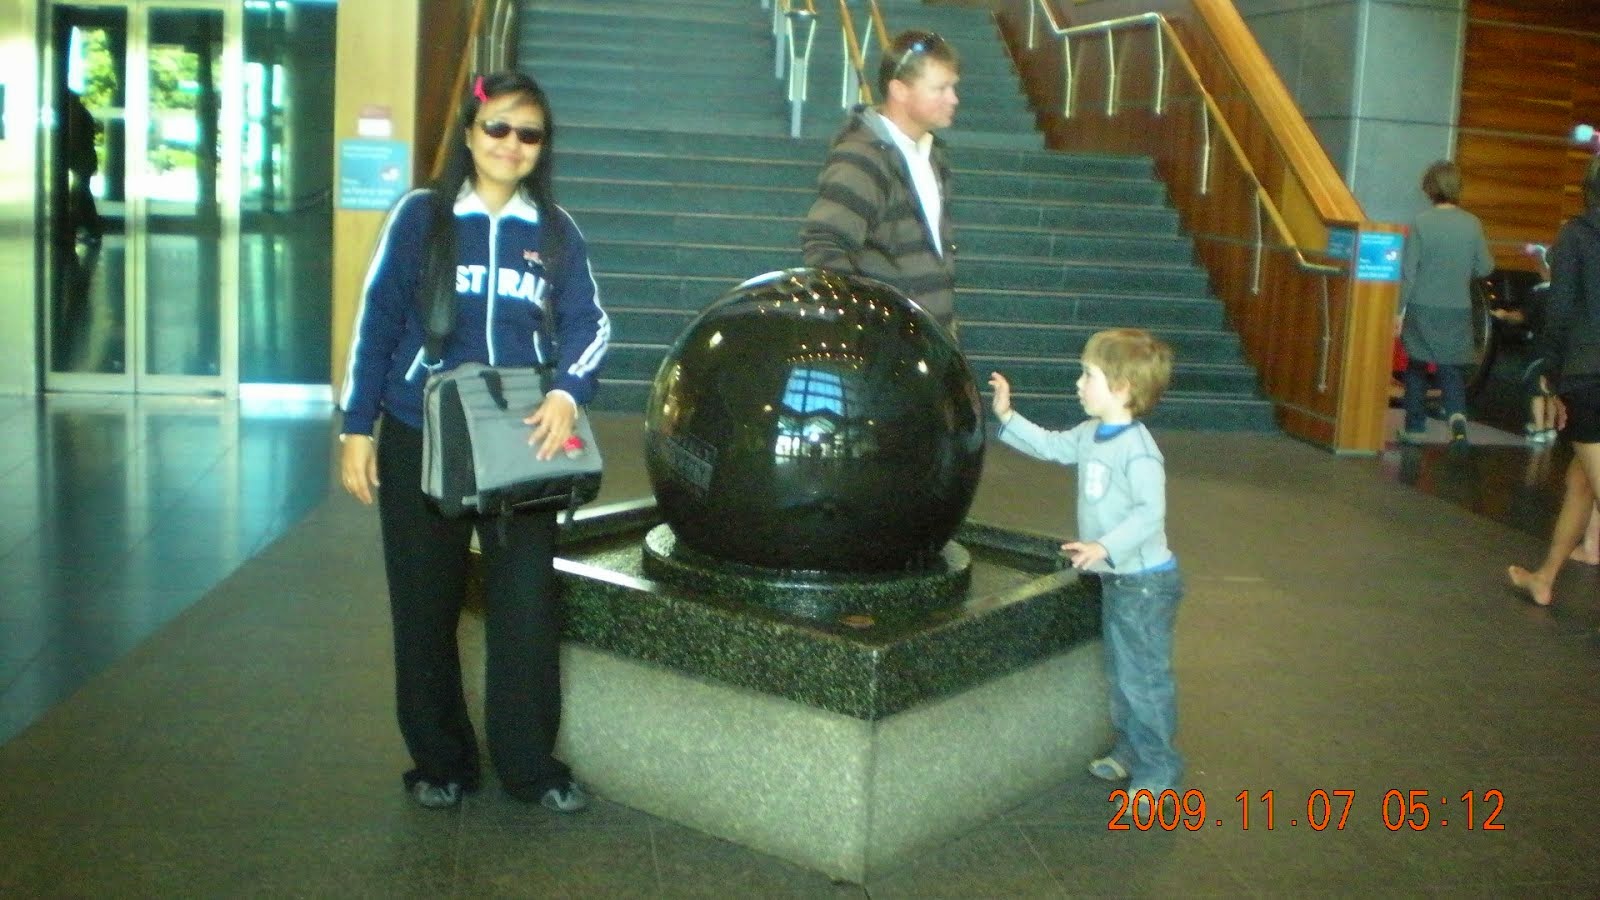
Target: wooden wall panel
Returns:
[[444, 29], [1518, 80], [376, 67], [1573, 15], [1528, 77], [1513, 183]]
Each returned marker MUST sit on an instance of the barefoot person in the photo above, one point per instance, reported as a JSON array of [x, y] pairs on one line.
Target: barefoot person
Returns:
[[1568, 357]]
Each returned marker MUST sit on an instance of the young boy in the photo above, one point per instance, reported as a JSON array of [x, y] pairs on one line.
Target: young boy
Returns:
[[1122, 537]]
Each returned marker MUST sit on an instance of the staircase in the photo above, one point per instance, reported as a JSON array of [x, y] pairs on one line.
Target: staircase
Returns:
[[673, 156]]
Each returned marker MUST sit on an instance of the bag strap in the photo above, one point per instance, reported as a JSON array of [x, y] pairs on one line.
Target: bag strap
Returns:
[[497, 389], [438, 309]]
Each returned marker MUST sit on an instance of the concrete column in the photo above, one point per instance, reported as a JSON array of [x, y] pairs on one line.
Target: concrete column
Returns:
[[1378, 80]]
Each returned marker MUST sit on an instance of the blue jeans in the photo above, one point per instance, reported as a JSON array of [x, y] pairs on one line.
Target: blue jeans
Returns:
[[1137, 613], [1452, 390]]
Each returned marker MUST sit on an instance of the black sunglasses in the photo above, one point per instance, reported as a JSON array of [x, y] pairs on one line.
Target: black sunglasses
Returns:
[[920, 45], [528, 134]]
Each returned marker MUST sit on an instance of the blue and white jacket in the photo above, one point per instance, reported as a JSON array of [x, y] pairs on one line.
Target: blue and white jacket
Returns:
[[507, 314]]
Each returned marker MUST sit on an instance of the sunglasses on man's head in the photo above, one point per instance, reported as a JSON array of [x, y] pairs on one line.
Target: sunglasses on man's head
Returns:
[[526, 134], [920, 45]]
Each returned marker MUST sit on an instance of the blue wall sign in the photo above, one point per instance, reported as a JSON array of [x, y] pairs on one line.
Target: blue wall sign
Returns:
[[373, 174], [1378, 256], [1341, 243]]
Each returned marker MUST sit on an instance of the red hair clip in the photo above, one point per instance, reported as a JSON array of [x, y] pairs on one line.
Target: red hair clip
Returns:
[[477, 90]]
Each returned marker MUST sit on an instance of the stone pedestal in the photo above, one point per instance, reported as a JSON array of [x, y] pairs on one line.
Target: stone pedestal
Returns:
[[846, 744], [848, 797]]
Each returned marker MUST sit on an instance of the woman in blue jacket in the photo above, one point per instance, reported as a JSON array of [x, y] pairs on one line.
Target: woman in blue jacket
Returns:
[[489, 234]]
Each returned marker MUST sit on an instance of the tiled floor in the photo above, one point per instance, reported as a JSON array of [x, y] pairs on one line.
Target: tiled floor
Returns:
[[117, 513], [206, 728]]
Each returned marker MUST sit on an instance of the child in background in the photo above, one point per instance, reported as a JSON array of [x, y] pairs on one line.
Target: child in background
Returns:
[[1541, 426], [1122, 538]]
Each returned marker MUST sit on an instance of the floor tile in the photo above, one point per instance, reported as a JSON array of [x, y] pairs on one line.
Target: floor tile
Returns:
[[994, 860], [535, 862], [692, 864], [1347, 627]]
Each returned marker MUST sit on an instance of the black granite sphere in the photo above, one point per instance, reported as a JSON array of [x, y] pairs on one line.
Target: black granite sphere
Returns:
[[815, 421]]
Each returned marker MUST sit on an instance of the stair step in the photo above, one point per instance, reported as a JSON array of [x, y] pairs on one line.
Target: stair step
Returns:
[[679, 168], [599, 193], [980, 338], [1071, 278], [1017, 273], [621, 220], [769, 147], [1105, 309], [599, 105], [774, 231], [1058, 377], [802, 173], [1100, 310], [1177, 410], [1114, 217]]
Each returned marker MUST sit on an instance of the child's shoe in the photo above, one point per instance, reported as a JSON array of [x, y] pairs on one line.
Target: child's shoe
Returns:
[[1107, 768], [436, 796], [1458, 430], [568, 798], [1145, 809]]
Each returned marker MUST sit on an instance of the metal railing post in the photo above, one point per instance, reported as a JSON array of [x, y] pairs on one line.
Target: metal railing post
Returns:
[[1068, 81], [1327, 341], [849, 88], [779, 37], [1111, 74], [1255, 278], [1262, 206], [1161, 72], [799, 66]]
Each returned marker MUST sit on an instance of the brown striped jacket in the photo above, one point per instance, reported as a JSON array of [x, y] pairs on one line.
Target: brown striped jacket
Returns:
[[867, 218]]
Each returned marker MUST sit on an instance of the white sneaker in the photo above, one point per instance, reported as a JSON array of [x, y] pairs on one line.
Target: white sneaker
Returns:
[[1107, 768], [566, 799]]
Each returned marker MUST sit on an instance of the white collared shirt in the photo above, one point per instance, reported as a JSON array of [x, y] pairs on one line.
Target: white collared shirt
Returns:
[[919, 158]]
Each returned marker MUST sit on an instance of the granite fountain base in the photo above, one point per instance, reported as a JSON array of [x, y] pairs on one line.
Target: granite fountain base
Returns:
[[846, 739]]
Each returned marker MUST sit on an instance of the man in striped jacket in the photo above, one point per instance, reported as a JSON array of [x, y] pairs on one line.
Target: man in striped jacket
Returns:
[[882, 198]]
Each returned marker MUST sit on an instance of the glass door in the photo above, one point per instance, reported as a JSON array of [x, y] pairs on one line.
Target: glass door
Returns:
[[144, 188]]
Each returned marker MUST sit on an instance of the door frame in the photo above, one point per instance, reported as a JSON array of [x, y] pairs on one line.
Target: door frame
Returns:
[[136, 204]]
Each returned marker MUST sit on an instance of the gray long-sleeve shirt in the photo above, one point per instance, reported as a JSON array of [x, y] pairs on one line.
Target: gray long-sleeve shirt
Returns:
[[1444, 252], [1122, 488]]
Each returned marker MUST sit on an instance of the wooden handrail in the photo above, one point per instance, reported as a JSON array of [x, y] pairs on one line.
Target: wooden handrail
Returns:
[[458, 86], [879, 25], [1214, 112], [847, 26], [1266, 92], [1318, 335]]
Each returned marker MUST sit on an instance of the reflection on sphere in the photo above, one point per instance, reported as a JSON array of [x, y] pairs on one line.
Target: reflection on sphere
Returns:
[[812, 420]]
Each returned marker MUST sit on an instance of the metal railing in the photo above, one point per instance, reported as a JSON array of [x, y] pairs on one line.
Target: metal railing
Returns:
[[1212, 124], [495, 48], [791, 55]]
